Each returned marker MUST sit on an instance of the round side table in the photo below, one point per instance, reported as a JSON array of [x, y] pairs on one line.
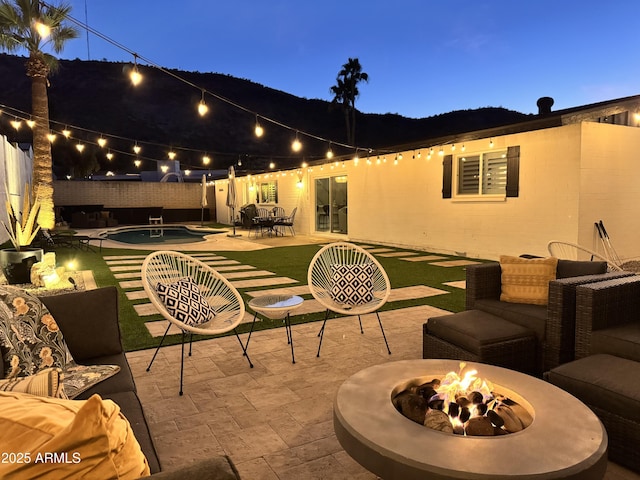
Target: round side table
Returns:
[[275, 307]]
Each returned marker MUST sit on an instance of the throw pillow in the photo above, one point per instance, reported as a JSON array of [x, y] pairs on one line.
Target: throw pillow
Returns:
[[45, 383], [184, 302], [30, 339], [80, 378], [527, 280], [351, 284], [60, 438]]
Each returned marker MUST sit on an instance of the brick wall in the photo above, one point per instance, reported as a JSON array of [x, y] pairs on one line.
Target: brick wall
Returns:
[[131, 194]]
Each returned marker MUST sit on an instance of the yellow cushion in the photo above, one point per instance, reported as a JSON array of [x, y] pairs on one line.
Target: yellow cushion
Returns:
[[58, 439], [45, 383], [526, 280]]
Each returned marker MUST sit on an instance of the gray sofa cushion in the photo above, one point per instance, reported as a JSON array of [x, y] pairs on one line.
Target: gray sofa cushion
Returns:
[[622, 341], [473, 329], [532, 317], [603, 381]]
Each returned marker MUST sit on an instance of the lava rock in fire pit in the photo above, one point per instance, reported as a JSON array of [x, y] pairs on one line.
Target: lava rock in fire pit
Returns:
[[479, 427], [523, 415], [436, 402], [462, 401], [438, 420], [454, 409], [464, 414], [412, 406], [495, 418], [481, 409], [475, 397], [511, 421]]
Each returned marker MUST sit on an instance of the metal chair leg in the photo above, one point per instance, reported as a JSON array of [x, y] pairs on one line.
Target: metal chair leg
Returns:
[[157, 349], [190, 342], [383, 335], [360, 322], [181, 362], [321, 334], [244, 348]]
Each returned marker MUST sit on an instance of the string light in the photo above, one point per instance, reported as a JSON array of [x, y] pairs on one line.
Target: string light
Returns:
[[16, 123], [272, 165], [400, 156], [80, 147], [102, 141], [172, 155], [109, 155], [135, 75], [51, 136], [31, 123], [202, 106], [66, 132], [441, 152], [296, 146], [137, 162], [206, 160], [137, 149], [463, 147], [258, 130], [329, 152]]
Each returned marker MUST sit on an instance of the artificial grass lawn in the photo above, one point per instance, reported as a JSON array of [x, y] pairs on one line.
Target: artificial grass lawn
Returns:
[[290, 261]]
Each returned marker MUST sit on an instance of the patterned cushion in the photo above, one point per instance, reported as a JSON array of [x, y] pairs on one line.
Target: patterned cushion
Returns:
[[351, 284], [184, 301], [527, 280], [30, 339], [45, 383], [80, 378]]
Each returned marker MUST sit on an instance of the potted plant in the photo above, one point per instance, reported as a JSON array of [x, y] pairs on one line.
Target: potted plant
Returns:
[[16, 262]]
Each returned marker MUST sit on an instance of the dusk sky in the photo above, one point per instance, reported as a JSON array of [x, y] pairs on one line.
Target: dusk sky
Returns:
[[423, 57]]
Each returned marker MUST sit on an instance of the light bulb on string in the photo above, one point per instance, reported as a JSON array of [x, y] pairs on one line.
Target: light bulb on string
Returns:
[[239, 161], [80, 147], [296, 146], [135, 75], [329, 152], [206, 160], [172, 155], [441, 151], [202, 106], [272, 165], [66, 132], [16, 123], [137, 162], [31, 123], [102, 142], [400, 156], [51, 136], [136, 148], [258, 130], [109, 155], [463, 148]]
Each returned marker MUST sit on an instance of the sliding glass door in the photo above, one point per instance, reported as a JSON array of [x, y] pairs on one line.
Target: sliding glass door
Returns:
[[331, 204]]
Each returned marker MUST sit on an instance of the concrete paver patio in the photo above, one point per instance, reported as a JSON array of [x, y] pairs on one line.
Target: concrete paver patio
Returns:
[[275, 420]]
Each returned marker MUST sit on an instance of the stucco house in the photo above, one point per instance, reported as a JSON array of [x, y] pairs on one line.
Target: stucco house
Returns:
[[506, 190]]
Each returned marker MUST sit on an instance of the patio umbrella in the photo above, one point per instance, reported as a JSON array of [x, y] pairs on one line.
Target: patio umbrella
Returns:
[[231, 198], [203, 199]]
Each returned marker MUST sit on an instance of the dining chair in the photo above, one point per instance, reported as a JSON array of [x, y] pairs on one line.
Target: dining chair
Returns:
[[192, 296], [348, 280]]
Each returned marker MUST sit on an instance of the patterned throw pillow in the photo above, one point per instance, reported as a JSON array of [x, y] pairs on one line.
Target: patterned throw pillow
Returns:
[[184, 301], [45, 383], [80, 378], [30, 339], [351, 284], [526, 280]]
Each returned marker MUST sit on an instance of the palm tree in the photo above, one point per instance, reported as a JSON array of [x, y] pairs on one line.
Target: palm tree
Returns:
[[346, 91], [32, 25]]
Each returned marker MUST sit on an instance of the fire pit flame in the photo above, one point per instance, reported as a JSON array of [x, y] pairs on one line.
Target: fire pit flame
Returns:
[[461, 403]]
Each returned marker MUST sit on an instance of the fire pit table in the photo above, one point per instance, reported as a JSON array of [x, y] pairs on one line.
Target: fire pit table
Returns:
[[565, 439]]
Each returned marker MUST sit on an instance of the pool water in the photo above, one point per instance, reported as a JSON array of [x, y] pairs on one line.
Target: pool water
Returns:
[[159, 234]]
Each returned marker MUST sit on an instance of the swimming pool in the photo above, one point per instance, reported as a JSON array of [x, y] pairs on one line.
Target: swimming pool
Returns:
[[159, 234]]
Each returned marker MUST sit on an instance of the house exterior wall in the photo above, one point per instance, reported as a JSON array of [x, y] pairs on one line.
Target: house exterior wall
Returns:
[[570, 177], [610, 186]]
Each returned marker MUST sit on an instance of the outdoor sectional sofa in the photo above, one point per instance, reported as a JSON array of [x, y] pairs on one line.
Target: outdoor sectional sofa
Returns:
[[527, 337], [88, 321]]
